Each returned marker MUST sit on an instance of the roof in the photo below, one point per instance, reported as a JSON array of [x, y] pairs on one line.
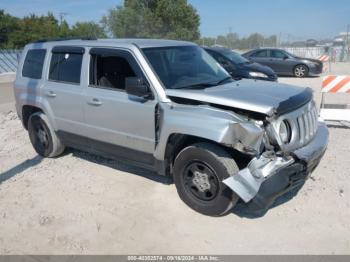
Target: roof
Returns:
[[218, 49], [142, 43], [267, 48], [263, 49]]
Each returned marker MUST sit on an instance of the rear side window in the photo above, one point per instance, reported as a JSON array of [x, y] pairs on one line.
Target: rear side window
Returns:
[[65, 66], [262, 53], [33, 63]]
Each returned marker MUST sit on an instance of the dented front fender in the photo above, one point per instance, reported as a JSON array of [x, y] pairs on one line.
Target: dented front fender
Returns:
[[221, 126]]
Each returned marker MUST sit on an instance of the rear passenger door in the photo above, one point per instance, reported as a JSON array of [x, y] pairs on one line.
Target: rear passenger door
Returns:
[[262, 57], [116, 122], [63, 90]]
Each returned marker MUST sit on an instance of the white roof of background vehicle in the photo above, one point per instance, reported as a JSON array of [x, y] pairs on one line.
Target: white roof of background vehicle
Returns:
[[142, 43]]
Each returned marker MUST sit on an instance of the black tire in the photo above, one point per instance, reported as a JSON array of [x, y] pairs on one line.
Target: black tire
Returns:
[[301, 71], [43, 137], [215, 198]]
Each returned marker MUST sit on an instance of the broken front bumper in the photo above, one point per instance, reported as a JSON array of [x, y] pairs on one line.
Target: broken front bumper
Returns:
[[269, 176]]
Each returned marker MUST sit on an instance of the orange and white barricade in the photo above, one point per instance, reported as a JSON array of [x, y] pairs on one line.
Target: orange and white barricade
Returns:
[[335, 112], [325, 59]]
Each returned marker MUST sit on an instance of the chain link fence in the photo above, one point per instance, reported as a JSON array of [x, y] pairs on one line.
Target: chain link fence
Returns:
[[335, 53], [9, 60]]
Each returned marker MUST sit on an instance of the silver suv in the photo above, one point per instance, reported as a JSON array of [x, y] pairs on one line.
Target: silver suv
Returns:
[[168, 106]]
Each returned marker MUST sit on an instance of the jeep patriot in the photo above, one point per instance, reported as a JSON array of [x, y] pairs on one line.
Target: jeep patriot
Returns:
[[168, 106]]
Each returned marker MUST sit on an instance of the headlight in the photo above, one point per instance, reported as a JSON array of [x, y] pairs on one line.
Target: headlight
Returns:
[[258, 74], [285, 132]]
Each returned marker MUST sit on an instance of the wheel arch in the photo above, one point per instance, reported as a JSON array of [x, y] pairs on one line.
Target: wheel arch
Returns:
[[176, 142], [31, 107], [27, 111]]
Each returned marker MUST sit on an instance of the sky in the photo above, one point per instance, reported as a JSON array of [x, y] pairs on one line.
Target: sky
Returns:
[[291, 19]]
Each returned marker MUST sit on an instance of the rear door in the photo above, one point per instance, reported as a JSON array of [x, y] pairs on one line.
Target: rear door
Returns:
[[116, 122], [261, 57], [62, 90]]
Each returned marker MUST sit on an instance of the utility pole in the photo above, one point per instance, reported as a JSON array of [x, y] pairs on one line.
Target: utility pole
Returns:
[[230, 44], [347, 42], [280, 39], [62, 15]]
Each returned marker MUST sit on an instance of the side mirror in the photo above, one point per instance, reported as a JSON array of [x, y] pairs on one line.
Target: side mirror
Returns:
[[285, 57], [136, 86]]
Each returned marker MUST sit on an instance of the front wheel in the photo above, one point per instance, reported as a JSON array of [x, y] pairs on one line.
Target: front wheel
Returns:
[[199, 170], [301, 71]]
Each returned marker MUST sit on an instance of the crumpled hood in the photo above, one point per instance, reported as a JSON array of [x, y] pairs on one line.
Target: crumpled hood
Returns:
[[268, 98]]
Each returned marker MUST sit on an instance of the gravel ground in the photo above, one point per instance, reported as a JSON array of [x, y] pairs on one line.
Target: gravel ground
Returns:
[[84, 204]]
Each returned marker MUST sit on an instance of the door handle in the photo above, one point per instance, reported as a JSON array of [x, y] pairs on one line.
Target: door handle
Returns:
[[95, 102], [51, 94]]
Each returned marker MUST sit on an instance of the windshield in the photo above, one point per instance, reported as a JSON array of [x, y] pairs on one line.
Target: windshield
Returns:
[[235, 58], [185, 67]]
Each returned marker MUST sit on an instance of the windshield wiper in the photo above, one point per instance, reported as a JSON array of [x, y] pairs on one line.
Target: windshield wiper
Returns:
[[222, 81], [198, 86], [205, 85]]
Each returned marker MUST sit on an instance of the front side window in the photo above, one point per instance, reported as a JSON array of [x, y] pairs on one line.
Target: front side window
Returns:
[[184, 66], [65, 67], [278, 54], [33, 63], [110, 69]]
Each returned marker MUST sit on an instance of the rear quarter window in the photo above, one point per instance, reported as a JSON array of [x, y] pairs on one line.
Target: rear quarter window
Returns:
[[33, 63]]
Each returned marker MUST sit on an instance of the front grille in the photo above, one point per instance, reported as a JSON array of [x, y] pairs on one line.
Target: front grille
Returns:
[[303, 124], [307, 125]]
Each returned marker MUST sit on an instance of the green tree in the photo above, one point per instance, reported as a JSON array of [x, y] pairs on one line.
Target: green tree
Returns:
[[172, 19], [8, 24], [32, 28], [232, 41], [87, 29]]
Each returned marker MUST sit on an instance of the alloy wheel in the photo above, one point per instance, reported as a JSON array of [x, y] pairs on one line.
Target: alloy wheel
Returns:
[[300, 71]]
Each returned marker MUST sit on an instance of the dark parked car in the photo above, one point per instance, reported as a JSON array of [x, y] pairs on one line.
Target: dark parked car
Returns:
[[240, 67], [284, 63]]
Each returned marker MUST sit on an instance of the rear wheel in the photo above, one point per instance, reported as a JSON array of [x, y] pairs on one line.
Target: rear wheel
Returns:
[[43, 137], [198, 174], [301, 71]]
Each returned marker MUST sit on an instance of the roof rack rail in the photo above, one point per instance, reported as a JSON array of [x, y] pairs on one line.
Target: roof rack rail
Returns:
[[64, 39]]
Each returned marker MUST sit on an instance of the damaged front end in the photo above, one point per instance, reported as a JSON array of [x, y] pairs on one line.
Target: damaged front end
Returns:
[[246, 183], [274, 172], [281, 147]]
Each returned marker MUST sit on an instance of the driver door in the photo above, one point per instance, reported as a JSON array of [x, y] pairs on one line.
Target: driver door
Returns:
[[281, 61], [116, 122]]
